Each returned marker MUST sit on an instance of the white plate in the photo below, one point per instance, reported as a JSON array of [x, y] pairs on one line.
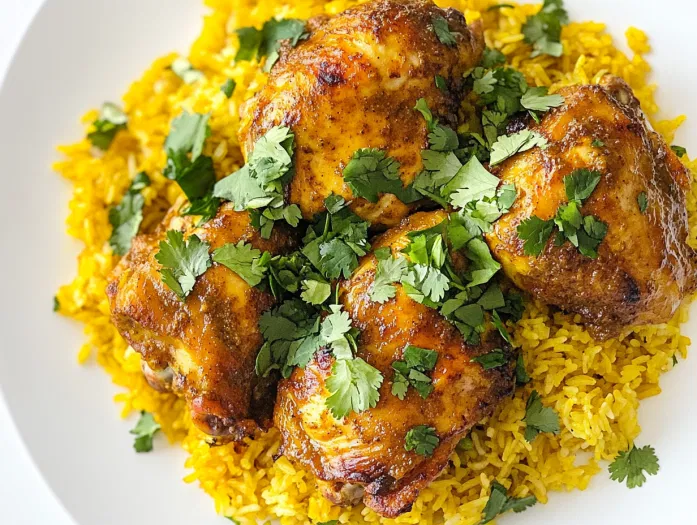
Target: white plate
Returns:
[[78, 53]]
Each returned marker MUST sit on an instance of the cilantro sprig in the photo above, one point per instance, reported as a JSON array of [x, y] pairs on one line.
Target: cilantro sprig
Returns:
[[247, 262], [259, 185], [500, 502], [182, 261], [144, 431], [442, 30], [125, 217], [412, 370], [266, 42], [543, 30], [421, 439], [539, 418], [370, 172], [633, 465], [111, 120], [584, 232]]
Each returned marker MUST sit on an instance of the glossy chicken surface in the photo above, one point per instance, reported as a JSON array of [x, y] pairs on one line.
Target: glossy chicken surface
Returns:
[[203, 348], [645, 267], [354, 84], [364, 455]]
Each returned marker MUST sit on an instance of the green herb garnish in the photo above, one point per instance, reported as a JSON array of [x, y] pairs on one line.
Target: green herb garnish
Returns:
[[633, 465], [145, 430], [539, 418], [182, 262], [421, 439]]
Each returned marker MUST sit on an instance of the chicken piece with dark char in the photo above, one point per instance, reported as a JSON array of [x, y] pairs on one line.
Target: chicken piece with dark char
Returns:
[[204, 347], [644, 267], [353, 84], [364, 454]]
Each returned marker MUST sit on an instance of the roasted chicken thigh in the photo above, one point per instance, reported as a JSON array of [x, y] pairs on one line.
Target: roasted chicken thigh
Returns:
[[353, 84], [364, 454], [204, 347], [644, 266]]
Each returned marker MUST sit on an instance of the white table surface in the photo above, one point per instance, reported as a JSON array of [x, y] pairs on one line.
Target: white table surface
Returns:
[[24, 497]]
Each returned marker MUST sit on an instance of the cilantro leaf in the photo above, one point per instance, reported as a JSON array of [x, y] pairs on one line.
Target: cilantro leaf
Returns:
[[315, 292], [535, 232], [500, 90], [125, 217], [483, 266], [411, 370], [472, 182], [537, 99], [266, 42], [182, 262], [679, 150], [56, 304], [492, 58], [144, 431], [493, 359], [421, 439], [642, 201], [507, 146], [337, 258], [631, 465], [543, 30], [184, 70], [371, 172], [539, 418], [389, 270], [228, 88], [499, 503], [521, 374], [242, 259], [580, 184], [441, 83], [354, 386], [111, 120], [336, 332], [597, 143], [188, 133], [442, 31]]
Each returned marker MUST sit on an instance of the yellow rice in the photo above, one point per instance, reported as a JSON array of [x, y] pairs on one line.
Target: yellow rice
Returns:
[[595, 387]]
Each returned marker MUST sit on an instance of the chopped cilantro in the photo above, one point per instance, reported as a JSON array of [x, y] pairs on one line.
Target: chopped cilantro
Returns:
[[442, 31], [111, 120], [440, 138], [536, 100], [472, 182], [246, 261], [543, 30], [259, 184], [389, 270], [354, 386], [266, 42], [441, 83], [521, 374], [580, 184], [597, 143], [330, 522], [500, 89], [535, 232], [182, 262], [539, 418], [315, 292], [371, 172], [57, 304], [631, 466], [411, 370], [507, 146], [499, 503], [229, 87], [184, 70], [499, 6], [642, 201], [421, 439], [679, 150], [188, 134], [125, 217], [493, 359], [465, 444], [492, 58], [144, 431]]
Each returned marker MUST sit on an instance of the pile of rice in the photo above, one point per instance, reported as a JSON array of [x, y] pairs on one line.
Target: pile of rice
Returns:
[[595, 387]]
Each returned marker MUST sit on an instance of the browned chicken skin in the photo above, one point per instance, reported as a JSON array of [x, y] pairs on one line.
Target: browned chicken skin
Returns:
[[353, 84], [203, 348], [368, 449], [645, 267]]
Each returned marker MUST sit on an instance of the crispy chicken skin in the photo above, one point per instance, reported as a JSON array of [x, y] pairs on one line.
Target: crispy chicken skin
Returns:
[[353, 84], [645, 267], [202, 348], [364, 455]]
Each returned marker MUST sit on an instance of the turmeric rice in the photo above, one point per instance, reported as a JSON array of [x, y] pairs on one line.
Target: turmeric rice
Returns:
[[594, 386]]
